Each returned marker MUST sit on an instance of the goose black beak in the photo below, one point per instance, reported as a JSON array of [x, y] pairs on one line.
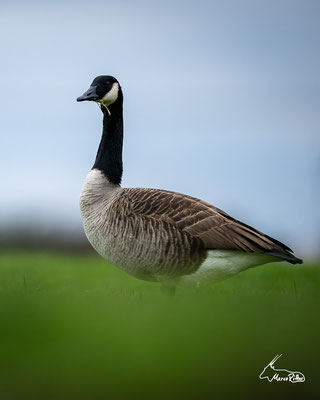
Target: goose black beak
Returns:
[[90, 94]]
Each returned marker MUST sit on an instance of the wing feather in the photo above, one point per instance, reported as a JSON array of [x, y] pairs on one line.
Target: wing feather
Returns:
[[215, 228]]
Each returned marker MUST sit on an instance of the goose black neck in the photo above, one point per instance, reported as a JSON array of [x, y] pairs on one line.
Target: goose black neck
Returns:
[[109, 156]]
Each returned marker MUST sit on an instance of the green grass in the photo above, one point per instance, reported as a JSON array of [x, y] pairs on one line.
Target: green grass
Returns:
[[74, 327]]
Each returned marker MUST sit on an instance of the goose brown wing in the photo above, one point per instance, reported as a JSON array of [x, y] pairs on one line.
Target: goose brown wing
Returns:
[[215, 228]]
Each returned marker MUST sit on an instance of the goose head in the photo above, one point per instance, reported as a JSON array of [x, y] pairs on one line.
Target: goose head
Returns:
[[104, 89]]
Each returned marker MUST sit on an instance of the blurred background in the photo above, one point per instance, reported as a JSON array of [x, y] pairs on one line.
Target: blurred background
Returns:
[[221, 102]]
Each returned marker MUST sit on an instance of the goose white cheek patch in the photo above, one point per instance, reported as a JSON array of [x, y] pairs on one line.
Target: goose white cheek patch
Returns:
[[111, 96]]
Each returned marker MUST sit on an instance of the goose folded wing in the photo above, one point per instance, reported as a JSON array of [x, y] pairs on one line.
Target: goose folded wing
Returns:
[[214, 227]]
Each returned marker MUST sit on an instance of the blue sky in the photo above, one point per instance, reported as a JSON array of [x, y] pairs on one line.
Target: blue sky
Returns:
[[221, 102]]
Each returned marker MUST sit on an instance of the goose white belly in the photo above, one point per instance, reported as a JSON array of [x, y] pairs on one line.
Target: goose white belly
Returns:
[[222, 264]]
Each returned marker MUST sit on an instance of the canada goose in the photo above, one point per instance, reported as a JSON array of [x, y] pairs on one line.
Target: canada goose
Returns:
[[159, 235]]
